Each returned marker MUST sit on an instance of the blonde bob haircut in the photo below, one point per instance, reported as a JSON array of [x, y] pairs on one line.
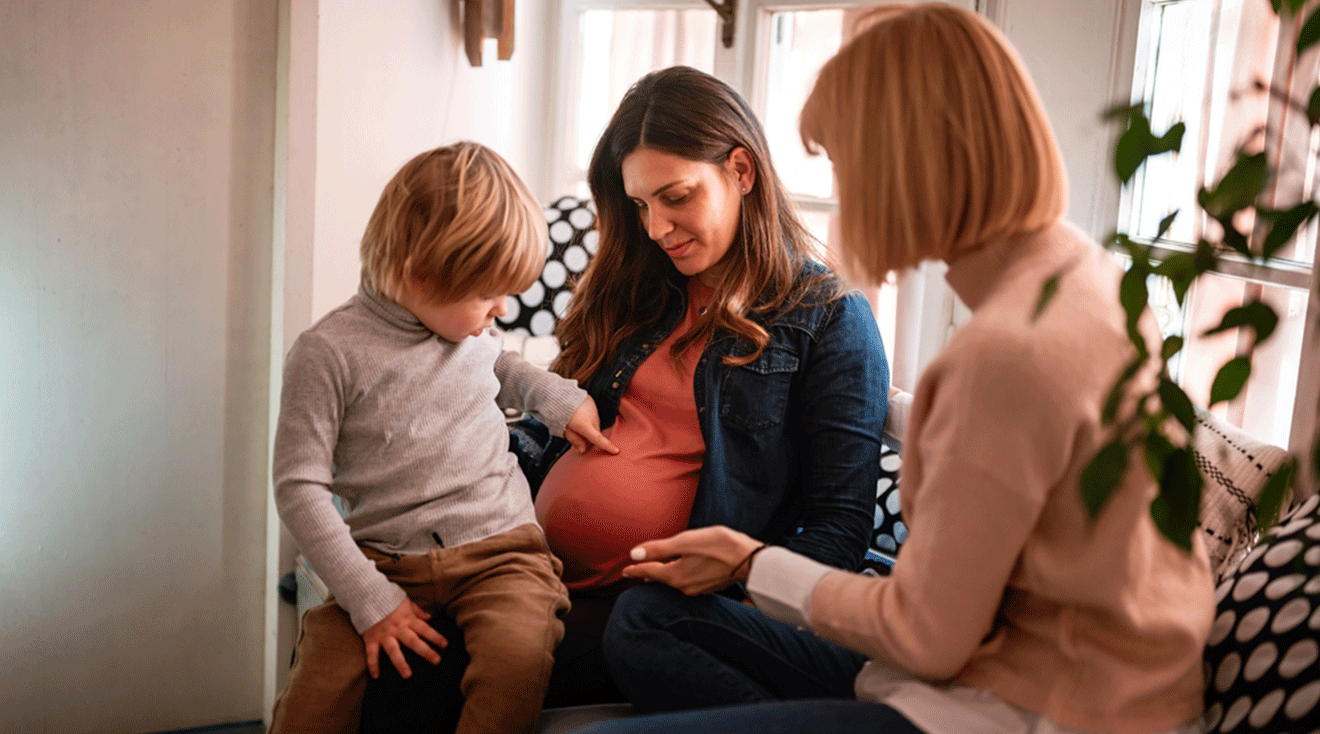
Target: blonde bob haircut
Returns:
[[456, 221], [939, 141]]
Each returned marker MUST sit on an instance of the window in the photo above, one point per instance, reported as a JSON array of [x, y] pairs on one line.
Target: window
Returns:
[[794, 44], [1073, 53], [1211, 64]]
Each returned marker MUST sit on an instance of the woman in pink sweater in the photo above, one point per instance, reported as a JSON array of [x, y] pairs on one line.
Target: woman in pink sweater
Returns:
[[1010, 608]]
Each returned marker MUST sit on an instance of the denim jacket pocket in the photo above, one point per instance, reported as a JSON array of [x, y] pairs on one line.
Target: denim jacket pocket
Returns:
[[754, 396]]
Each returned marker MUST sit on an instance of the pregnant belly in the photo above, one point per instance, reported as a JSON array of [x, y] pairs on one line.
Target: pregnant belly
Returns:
[[596, 507]]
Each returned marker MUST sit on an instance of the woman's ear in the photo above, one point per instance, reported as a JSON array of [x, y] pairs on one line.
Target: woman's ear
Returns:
[[742, 167]]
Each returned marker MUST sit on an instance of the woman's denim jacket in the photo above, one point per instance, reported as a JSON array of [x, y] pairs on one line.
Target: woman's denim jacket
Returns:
[[792, 438]]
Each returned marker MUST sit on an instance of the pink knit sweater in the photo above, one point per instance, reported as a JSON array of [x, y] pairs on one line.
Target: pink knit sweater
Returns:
[[1005, 584]]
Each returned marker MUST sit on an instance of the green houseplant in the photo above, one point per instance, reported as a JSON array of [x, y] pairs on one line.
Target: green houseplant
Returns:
[[1238, 192]]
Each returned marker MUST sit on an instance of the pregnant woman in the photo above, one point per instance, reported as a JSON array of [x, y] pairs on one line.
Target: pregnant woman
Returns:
[[743, 383]]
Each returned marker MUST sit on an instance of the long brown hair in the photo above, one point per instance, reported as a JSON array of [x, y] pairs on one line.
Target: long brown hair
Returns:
[[626, 288]]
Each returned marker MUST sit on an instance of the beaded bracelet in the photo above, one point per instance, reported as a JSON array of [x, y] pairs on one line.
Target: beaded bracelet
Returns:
[[746, 561]]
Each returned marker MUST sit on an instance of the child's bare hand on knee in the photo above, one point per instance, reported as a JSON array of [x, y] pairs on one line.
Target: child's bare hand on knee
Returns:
[[583, 429], [407, 625]]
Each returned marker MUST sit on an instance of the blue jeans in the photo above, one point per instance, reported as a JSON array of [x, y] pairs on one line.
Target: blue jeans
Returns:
[[780, 717], [669, 652]]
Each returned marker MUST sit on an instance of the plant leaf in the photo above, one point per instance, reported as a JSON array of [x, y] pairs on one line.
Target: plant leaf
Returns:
[[1132, 290], [1116, 392], [1047, 291], [1133, 146], [1124, 112], [1133, 294], [1238, 189], [1172, 345], [1270, 500], [1157, 450], [1176, 508], [1177, 403], [1205, 257], [1313, 107], [1137, 142], [1285, 223], [1139, 253], [1256, 314], [1171, 141], [1291, 4], [1310, 32], [1165, 223], [1102, 474], [1230, 379], [1235, 239], [1180, 269]]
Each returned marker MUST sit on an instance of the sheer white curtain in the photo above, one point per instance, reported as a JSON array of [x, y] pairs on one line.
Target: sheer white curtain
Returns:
[[924, 315], [620, 46]]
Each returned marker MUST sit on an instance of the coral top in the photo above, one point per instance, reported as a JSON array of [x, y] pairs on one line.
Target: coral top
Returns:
[[595, 507]]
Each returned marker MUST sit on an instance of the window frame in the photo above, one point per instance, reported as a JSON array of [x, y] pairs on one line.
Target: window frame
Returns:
[[1280, 273]]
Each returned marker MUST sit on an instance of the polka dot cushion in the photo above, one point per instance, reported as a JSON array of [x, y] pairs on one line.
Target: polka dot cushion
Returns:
[[1263, 660], [536, 311], [889, 531]]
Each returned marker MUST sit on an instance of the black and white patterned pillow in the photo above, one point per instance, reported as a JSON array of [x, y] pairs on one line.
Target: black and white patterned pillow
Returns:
[[1236, 467], [890, 531], [1263, 660], [573, 240]]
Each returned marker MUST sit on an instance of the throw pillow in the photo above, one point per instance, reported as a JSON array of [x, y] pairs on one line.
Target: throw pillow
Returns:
[[889, 531], [1236, 467], [1263, 659], [573, 240]]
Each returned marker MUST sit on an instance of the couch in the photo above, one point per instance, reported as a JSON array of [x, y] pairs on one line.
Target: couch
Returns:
[[1263, 661], [887, 537]]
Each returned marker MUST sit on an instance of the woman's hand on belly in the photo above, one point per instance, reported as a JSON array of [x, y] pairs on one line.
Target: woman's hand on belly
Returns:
[[699, 561]]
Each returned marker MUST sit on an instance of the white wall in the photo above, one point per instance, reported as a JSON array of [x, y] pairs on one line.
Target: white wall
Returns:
[[137, 142], [392, 81], [135, 170], [1080, 55], [364, 86]]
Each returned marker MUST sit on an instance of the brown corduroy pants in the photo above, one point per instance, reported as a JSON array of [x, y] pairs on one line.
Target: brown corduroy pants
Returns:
[[505, 594]]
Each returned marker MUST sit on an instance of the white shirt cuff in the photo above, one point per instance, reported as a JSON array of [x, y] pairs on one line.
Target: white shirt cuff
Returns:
[[781, 583]]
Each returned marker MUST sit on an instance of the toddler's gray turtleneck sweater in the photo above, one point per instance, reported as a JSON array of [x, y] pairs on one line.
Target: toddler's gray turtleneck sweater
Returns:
[[409, 430]]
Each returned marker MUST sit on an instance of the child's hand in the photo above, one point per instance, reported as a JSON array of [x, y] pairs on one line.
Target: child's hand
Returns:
[[408, 625], [584, 427]]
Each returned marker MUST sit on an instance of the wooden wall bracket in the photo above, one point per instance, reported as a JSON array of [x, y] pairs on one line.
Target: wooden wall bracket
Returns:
[[728, 12], [484, 19]]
